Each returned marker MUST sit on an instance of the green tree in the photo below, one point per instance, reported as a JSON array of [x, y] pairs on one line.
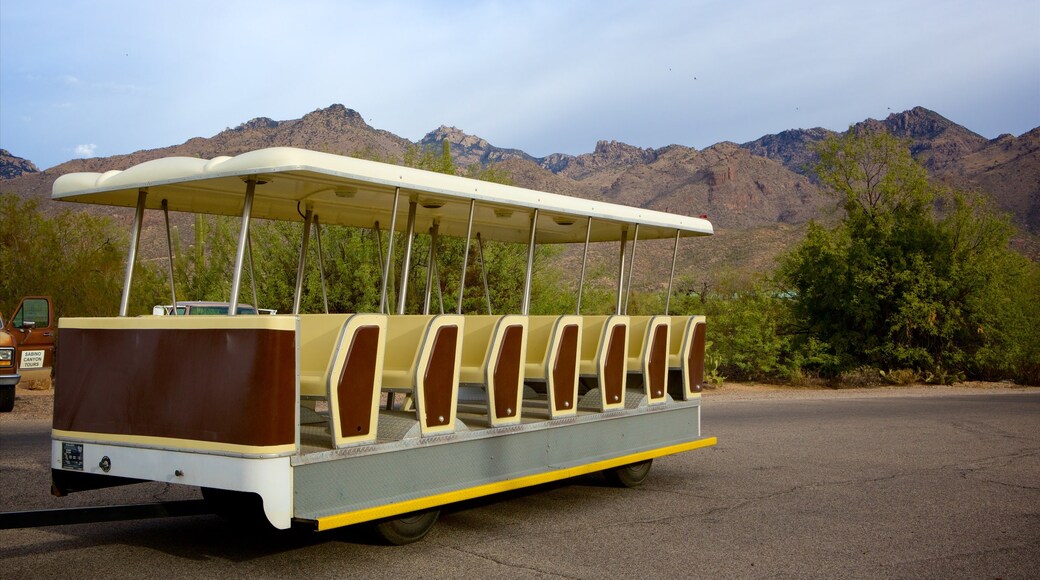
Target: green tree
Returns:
[[76, 258], [898, 284]]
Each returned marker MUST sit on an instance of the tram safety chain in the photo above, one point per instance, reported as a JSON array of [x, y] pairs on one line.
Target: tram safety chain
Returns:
[[96, 514]]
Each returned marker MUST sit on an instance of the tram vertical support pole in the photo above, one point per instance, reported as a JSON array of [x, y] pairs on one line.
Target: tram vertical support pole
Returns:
[[252, 271], [465, 253], [321, 264], [389, 252], [169, 249], [584, 261], [379, 250], [431, 267], [301, 265], [525, 307], [483, 272], [621, 270], [631, 268], [131, 256], [437, 285], [402, 297], [671, 274], [240, 252]]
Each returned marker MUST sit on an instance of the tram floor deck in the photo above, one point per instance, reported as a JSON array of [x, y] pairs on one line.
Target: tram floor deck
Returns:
[[315, 436]]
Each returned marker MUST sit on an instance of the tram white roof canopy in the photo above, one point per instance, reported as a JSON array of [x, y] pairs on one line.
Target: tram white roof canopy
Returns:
[[356, 192]]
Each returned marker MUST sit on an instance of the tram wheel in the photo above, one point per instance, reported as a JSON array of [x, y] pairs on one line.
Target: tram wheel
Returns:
[[405, 530], [632, 475]]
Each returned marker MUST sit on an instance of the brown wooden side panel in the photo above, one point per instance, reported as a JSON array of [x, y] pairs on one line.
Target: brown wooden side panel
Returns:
[[614, 367], [507, 372], [696, 360], [234, 386], [658, 365], [564, 387], [439, 377], [355, 387]]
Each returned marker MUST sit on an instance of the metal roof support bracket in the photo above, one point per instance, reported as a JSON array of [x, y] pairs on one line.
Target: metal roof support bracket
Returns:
[[389, 252], [671, 274], [525, 307], [169, 249], [631, 267], [301, 265], [131, 256], [621, 269], [402, 298], [584, 261], [465, 253], [240, 253]]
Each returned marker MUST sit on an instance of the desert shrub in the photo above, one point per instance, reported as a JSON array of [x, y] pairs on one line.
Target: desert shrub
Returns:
[[746, 327], [901, 377], [865, 376]]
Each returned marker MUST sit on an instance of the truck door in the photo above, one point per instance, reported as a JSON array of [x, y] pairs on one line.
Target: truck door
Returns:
[[32, 327]]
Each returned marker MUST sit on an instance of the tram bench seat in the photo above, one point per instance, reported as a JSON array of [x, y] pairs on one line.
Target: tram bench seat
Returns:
[[553, 344], [423, 356], [493, 354], [604, 354], [349, 349], [686, 356], [318, 335], [648, 352]]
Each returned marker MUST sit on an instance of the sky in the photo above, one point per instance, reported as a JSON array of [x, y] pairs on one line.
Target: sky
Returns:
[[99, 78]]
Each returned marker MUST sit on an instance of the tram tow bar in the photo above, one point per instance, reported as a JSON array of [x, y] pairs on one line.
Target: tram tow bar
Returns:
[[96, 514]]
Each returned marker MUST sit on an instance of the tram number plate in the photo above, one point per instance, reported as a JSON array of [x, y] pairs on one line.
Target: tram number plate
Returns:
[[72, 456], [31, 359]]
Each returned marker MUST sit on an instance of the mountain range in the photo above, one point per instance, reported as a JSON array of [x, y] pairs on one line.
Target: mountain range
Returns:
[[759, 195]]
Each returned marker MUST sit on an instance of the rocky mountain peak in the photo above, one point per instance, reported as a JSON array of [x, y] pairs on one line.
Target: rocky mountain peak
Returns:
[[469, 149], [793, 147], [13, 166], [610, 156], [917, 123], [935, 140], [455, 136], [257, 123], [618, 152], [335, 115]]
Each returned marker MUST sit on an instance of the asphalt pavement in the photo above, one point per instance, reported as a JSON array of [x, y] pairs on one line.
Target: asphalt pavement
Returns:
[[918, 483]]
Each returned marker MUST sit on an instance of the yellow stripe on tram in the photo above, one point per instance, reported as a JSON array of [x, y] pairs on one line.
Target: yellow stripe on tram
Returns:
[[413, 505]]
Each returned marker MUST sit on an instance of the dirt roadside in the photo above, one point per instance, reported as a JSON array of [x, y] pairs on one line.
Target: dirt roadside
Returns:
[[38, 404]]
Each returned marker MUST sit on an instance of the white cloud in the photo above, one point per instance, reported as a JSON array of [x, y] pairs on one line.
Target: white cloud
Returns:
[[69, 80], [85, 150]]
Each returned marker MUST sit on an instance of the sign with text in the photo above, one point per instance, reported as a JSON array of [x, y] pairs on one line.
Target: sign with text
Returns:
[[31, 359]]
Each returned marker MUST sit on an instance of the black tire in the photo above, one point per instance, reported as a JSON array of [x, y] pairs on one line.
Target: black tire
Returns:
[[6, 399], [632, 475], [405, 530]]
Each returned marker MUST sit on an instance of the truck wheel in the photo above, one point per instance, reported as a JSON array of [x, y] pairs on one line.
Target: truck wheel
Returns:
[[405, 530], [6, 399], [628, 475]]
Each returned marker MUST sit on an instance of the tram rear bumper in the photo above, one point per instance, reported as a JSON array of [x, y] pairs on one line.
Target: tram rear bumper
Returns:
[[82, 465]]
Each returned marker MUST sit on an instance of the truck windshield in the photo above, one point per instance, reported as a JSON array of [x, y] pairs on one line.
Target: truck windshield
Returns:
[[217, 310]]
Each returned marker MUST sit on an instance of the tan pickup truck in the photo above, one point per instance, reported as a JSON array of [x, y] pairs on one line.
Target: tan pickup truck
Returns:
[[26, 345]]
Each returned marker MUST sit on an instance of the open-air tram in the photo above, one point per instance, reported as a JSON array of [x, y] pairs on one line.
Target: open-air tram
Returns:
[[286, 410]]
